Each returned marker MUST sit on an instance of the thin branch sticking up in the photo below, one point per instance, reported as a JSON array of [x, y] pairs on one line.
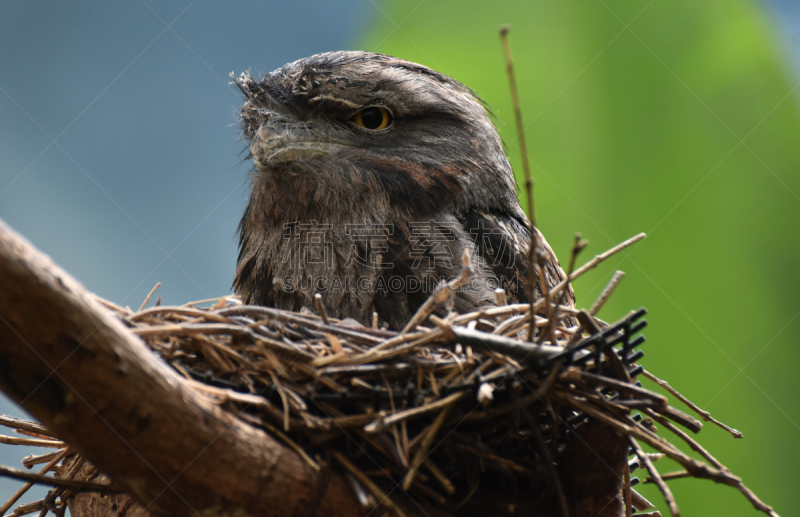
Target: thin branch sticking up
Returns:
[[149, 295], [598, 259], [607, 292], [526, 170]]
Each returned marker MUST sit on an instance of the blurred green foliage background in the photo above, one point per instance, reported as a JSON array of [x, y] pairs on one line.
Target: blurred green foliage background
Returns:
[[679, 119]]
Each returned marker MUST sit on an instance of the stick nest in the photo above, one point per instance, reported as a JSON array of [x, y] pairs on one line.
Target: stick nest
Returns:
[[467, 406]]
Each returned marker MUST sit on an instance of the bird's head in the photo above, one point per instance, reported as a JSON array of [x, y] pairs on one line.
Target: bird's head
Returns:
[[356, 127]]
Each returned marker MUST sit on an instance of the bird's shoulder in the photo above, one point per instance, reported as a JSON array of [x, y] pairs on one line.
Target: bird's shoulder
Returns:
[[503, 241]]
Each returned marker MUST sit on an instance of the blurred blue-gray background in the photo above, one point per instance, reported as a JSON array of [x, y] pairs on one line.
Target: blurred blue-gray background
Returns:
[[119, 154], [119, 158]]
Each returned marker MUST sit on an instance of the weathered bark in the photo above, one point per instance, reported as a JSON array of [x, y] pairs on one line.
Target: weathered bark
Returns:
[[76, 368], [105, 505], [93, 504]]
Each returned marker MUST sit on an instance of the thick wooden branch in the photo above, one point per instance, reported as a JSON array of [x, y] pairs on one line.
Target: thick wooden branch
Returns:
[[76, 368]]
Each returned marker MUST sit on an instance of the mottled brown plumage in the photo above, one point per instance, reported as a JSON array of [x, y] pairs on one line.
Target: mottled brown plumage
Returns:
[[374, 218]]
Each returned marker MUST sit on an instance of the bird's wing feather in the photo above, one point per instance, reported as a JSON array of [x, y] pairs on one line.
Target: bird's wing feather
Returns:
[[503, 242]]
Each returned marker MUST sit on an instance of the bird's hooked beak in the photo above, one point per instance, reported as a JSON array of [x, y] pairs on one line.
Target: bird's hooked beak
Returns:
[[279, 142], [280, 138]]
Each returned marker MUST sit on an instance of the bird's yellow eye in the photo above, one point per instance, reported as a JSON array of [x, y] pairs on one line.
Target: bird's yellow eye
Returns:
[[374, 118]]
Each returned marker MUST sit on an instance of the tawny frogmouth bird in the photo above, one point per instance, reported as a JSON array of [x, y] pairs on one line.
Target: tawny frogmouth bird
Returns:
[[373, 176]]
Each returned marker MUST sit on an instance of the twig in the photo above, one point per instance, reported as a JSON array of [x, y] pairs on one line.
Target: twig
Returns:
[[640, 502], [80, 486], [17, 423], [147, 299], [573, 374], [607, 292], [424, 447], [235, 300], [33, 434], [699, 469], [501, 300], [526, 168], [33, 460], [520, 350], [705, 415], [382, 498], [381, 424], [541, 260], [440, 295], [681, 418], [440, 476], [320, 308], [363, 334], [374, 355], [396, 340], [24, 488], [288, 441], [598, 259], [526, 171], [651, 469], [70, 474], [28, 508], [670, 475], [578, 246], [13, 440]]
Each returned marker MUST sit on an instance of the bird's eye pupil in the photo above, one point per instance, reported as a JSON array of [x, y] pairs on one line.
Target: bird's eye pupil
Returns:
[[372, 118]]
